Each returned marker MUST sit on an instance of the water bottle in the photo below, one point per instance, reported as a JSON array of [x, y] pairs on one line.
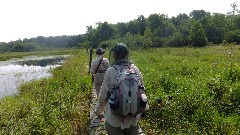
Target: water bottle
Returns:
[[112, 102], [143, 100]]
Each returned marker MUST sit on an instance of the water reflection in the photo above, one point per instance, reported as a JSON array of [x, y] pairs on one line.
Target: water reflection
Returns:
[[42, 62], [16, 72]]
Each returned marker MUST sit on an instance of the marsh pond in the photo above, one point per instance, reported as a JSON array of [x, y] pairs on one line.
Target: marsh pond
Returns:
[[15, 72]]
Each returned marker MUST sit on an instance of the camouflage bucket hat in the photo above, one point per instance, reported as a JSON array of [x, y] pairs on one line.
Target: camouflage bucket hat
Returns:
[[100, 51], [120, 50]]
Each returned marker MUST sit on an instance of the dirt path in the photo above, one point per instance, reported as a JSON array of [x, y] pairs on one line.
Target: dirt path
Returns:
[[96, 126]]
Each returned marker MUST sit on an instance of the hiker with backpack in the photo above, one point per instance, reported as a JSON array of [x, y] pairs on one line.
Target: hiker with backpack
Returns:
[[98, 68], [122, 97]]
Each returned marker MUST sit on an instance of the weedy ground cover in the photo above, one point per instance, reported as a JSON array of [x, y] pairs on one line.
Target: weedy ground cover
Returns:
[[57, 105], [190, 91]]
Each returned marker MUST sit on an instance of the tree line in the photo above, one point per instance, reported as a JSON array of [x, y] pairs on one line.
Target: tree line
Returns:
[[198, 29], [41, 43]]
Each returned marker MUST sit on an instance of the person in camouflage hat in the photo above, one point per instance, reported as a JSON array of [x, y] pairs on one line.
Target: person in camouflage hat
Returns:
[[98, 68]]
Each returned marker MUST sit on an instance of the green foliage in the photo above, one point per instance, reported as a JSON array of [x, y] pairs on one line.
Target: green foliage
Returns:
[[197, 29], [199, 14], [169, 29], [177, 40], [41, 43], [155, 21], [190, 91], [133, 41], [58, 105], [25, 47], [85, 45], [90, 34], [4, 47], [198, 88], [177, 21], [104, 32], [233, 36], [121, 29], [133, 27], [216, 28], [142, 24], [148, 36], [177, 31], [197, 35]]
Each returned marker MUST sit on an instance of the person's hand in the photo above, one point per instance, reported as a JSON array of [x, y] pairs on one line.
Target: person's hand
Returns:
[[101, 118], [144, 114]]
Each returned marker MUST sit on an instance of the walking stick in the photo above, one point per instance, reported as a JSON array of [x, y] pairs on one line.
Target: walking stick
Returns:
[[90, 62]]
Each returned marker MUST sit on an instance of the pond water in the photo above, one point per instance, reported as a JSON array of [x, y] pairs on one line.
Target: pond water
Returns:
[[15, 72]]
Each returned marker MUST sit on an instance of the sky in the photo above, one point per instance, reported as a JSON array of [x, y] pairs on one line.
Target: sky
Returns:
[[32, 18]]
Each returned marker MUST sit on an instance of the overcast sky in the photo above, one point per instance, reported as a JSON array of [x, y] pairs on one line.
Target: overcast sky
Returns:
[[32, 18]]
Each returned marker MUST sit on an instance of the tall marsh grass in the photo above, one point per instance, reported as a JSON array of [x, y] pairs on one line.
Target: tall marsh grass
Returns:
[[57, 105], [190, 91]]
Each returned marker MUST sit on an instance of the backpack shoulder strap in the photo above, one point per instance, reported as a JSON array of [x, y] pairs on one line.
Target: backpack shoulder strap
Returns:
[[98, 65], [115, 67], [120, 67]]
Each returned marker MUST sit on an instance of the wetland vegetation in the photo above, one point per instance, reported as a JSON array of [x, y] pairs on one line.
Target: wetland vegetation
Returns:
[[190, 90]]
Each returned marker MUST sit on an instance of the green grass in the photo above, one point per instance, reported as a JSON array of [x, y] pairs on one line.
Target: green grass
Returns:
[[199, 88], [9, 55], [58, 105]]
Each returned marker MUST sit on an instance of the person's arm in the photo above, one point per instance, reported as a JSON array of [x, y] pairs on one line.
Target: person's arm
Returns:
[[103, 99], [107, 63], [139, 74], [142, 82], [92, 69], [141, 78]]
